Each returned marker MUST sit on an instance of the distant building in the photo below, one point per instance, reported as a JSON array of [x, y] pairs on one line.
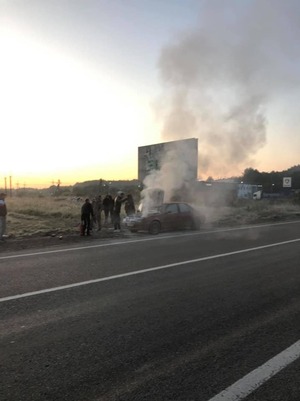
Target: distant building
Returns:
[[246, 191]]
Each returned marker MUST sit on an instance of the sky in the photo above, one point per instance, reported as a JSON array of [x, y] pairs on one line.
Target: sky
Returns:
[[83, 83]]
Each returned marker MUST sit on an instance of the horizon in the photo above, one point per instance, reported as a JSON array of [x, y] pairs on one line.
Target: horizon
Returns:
[[62, 184]]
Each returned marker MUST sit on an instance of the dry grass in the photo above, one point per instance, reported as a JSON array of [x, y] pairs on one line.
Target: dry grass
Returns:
[[252, 212], [36, 215], [43, 216]]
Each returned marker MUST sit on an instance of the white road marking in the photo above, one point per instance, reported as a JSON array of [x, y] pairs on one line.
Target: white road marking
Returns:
[[159, 237], [150, 269], [245, 386]]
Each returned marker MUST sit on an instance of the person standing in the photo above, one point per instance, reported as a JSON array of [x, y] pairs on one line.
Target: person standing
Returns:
[[129, 205], [117, 210], [3, 213], [87, 214], [111, 208], [97, 208], [106, 208]]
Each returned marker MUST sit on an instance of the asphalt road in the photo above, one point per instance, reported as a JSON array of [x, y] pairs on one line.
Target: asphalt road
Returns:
[[179, 316]]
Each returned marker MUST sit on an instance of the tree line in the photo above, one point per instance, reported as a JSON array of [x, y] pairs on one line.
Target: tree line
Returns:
[[272, 181]]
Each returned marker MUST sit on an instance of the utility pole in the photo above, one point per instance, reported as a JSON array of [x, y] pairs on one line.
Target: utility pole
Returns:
[[5, 184], [57, 191], [10, 186]]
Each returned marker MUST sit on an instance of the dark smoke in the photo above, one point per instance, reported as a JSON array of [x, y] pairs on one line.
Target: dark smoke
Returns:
[[220, 79]]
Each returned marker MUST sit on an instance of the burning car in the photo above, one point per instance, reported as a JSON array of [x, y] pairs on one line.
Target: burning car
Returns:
[[166, 217]]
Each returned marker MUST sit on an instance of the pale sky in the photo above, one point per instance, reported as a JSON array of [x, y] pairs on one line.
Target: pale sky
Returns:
[[83, 83]]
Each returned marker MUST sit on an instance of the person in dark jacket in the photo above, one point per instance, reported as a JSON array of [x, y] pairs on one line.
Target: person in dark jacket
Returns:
[[108, 206], [87, 214], [129, 205], [117, 210], [3, 213]]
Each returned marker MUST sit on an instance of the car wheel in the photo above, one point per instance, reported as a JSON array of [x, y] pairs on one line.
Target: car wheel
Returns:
[[154, 227]]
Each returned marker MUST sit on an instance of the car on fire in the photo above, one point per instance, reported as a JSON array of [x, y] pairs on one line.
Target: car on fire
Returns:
[[166, 217]]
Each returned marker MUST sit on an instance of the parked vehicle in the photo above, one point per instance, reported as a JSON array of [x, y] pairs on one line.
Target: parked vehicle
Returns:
[[166, 217]]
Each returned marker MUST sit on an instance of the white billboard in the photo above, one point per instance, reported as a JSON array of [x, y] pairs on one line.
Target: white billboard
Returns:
[[156, 156]]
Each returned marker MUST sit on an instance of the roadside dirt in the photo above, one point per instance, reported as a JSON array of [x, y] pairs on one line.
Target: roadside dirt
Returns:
[[45, 241]]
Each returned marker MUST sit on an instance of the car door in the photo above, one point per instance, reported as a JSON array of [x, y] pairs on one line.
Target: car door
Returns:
[[171, 217], [185, 216]]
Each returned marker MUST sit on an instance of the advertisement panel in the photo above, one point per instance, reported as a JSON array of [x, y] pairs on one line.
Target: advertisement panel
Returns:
[[154, 157]]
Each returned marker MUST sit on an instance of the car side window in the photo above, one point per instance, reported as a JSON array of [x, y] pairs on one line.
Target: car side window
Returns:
[[184, 208], [172, 208]]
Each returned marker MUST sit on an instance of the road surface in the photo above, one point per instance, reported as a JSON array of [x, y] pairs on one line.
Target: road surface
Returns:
[[209, 315]]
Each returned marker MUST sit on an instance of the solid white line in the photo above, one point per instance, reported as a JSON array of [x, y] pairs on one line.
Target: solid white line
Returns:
[[245, 386], [159, 237], [150, 269]]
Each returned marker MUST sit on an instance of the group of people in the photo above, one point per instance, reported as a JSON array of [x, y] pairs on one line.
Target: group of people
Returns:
[[91, 212]]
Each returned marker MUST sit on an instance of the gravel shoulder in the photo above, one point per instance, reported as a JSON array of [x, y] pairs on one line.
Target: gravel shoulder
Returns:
[[57, 239]]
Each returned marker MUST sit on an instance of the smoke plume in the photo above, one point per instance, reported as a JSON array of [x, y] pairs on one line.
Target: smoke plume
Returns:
[[220, 78], [176, 167]]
